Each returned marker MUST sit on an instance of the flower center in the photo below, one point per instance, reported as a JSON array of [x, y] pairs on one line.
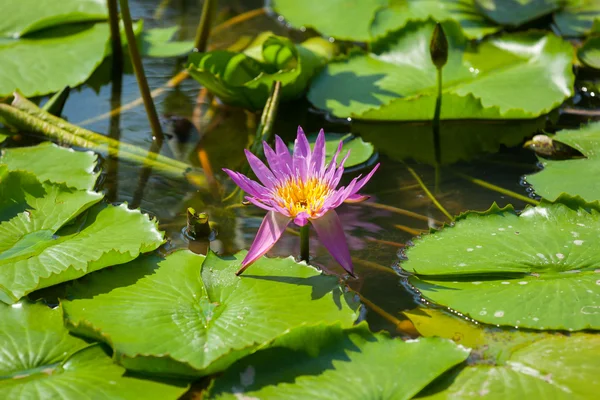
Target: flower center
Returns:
[[297, 196]]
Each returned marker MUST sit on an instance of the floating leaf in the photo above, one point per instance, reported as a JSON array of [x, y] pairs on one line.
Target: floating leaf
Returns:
[[69, 54], [51, 163], [516, 12], [538, 270], [353, 364], [245, 79], [521, 75], [360, 151], [157, 43], [578, 17], [194, 323], [39, 245], [575, 176], [589, 53], [40, 360], [26, 16], [559, 367]]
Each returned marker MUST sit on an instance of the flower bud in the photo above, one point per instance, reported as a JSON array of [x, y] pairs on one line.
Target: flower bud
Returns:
[[438, 48]]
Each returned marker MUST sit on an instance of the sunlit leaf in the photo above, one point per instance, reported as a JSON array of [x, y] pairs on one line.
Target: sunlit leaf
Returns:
[[353, 364], [559, 367], [194, 316], [574, 176], [539, 269], [51, 163], [589, 53], [245, 79], [512, 76], [578, 17], [40, 360], [516, 12], [25, 16]]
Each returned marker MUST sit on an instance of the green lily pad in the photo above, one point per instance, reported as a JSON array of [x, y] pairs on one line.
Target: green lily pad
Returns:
[[514, 76], [194, 316], [26, 16], [52, 163], [578, 17], [245, 79], [516, 12], [574, 176], [589, 53], [157, 43], [360, 151], [46, 239], [538, 270], [69, 54], [559, 367], [353, 364], [40, 360]]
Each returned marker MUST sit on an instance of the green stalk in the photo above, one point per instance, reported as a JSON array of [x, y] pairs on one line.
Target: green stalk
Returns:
[[138, 69], [203, 30], [429, 194], [115, 37], [305, 243], [498, 189], [436, 119], [264, 132]]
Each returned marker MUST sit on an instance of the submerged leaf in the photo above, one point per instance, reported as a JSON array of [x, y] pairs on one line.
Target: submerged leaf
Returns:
[[40, 360], [575, 177], [245, 79], [513, 76], [578, 17], [194, 323], [538, 270], [157, 43], [516, 12], [589, 53], [352, 364]]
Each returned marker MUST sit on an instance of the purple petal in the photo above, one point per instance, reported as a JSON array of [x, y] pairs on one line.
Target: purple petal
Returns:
[[356, 198], [301, 219], [364, 180], [263, 173], [269, 232], [247, 185], [330, 232], [283, 153], [259, 203], [277, 163], [318, 157], [302, 155]]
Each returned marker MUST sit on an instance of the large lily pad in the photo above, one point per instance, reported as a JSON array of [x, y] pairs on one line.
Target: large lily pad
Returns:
[[520, 75], [245, 79], [26, 16], [589, 53], [366, 20], [539, 269], [194, 323], [46, 239], [576, 176], [51, 163], [353, 364], [578, 17], [516, 12], [40, 360], [554, 368], [68, 53]]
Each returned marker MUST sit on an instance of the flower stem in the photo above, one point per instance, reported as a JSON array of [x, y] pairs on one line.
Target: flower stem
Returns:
[[115, 37], [203, 30], [138, 68], [304, 243], [436, 119]]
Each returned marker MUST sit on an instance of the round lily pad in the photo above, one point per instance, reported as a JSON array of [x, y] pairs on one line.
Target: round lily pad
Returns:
[[193, 316], [538, 270], [516, 12]]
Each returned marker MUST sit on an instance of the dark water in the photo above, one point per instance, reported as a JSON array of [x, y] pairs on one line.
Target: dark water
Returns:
[[377, 231]]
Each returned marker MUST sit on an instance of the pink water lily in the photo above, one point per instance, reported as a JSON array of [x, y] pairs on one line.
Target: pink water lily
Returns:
[[300, 188]]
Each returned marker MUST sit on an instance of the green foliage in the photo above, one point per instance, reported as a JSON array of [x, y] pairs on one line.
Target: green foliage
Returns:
[[245, 79], [589, 53], [157, 43], [352, 364], [574, 176], [535, 270], [46, 235], [558, 367], [578, 17], [40, 360], [513, 76], [516, 12], [193, 323]]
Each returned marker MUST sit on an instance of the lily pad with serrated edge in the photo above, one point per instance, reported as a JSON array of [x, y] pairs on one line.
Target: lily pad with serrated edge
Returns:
[[40, 360], [193, 316], [338, 364], [538, 270]]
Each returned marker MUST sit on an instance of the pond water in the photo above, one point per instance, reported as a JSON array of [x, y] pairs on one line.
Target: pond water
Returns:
[[378, 230]]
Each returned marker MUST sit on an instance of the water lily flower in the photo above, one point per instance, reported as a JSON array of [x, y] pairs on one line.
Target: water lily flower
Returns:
[[302, 189]]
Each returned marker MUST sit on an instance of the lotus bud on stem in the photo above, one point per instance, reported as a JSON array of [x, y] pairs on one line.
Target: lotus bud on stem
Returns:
[[438, 49]]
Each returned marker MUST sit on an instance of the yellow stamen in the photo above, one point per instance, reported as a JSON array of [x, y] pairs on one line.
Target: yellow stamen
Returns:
[[297, 196]]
